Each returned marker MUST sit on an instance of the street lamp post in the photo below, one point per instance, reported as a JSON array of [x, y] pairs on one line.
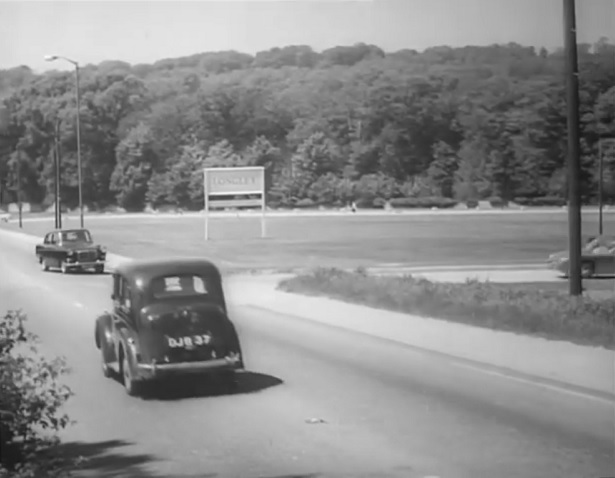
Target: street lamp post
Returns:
[[58, 175], [78, 101]]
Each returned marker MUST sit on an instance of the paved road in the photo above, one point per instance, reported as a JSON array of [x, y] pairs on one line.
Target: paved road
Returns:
[[388, 411]]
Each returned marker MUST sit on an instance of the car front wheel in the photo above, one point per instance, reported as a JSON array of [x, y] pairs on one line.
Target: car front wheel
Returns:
[[44, 266], [587, 269]]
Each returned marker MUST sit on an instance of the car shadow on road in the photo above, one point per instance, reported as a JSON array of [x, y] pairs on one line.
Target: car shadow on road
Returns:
[[247, 382]]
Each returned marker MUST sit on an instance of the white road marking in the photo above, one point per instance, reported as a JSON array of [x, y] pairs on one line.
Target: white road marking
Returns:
[[533, 383]]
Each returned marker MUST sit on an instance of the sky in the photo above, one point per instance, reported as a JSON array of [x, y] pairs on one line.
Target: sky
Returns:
[[147, 31]]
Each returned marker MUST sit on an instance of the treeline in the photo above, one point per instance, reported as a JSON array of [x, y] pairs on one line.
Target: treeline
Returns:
[[350, 123]]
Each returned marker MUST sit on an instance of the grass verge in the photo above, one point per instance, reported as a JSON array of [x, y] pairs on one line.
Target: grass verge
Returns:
[[550, 314]]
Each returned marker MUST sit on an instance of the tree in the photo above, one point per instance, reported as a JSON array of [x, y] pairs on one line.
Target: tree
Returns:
[[136, 161], [441, 171]]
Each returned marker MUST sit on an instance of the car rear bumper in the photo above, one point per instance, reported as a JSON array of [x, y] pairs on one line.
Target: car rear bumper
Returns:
[[154, 370], [85, 265]]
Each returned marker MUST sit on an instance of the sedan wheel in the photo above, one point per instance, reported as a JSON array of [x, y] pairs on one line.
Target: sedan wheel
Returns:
[[587, 269], [44, 266], [64, 267], [130, 384]]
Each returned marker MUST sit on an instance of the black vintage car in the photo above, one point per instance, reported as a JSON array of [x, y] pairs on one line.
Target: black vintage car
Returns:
[[169, 318], [71, 249]]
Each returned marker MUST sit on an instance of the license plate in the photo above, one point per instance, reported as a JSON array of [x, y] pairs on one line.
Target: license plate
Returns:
[[190, 341]]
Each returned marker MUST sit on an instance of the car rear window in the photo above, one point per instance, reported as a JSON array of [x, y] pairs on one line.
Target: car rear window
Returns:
[[179, 285], [74, 236]]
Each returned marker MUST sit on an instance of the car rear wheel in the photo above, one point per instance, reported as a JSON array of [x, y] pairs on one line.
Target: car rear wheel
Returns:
[[64, 267], [99, 269], [130, 384], [44, 266], [104, 357], [587, 269]]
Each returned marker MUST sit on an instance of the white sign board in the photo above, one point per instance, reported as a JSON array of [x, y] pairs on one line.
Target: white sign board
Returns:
[[222, 185]]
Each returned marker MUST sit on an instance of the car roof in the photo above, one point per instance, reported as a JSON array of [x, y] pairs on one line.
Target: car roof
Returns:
[[147, 269]]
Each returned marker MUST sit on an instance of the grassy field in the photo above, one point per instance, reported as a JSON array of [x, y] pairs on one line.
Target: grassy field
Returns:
[[339, 241]]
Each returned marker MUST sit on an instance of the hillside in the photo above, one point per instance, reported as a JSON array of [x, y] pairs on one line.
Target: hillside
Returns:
[[348, 123]]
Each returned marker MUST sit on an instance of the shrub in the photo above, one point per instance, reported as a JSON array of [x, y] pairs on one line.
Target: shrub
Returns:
[[551, 314], [472, 203], [364, 203], [379, 203], [547, 201], [423, 202], [305, 203], [497, 201], [30, 401]]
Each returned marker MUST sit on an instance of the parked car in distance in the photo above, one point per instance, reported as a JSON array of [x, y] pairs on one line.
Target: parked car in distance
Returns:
[[597, 258], [71, 249], [168, 319]]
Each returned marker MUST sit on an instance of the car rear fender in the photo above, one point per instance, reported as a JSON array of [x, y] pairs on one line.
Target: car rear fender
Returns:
[[103, 323]]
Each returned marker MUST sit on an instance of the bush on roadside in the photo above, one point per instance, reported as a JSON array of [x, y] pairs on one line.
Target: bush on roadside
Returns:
[[423, 202], [497, 201], [551, 314], [379, 203], [31, 397], [305, 203], [472, 203], [547, 201]]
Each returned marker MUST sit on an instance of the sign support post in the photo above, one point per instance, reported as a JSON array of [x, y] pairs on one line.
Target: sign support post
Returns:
[[234, 187], [263, 207]]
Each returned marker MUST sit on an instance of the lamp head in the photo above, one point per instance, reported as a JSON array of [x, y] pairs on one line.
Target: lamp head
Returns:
[[51, 57]]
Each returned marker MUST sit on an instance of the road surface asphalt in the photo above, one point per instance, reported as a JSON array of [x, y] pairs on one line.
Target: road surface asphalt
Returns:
[[316, 402]]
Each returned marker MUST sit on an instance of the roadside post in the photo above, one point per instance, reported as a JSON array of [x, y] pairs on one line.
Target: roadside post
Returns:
[[574, 168], [234, 187]]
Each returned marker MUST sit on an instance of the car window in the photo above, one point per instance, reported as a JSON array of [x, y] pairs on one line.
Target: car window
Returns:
[[54, 238], [47, 239], [73, 236], [179, 285], [125, 294]]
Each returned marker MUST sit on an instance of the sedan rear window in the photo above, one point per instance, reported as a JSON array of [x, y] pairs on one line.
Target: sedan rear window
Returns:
[[179, 285]]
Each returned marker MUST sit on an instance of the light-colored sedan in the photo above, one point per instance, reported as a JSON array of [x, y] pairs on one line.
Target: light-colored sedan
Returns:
[[597, 258]]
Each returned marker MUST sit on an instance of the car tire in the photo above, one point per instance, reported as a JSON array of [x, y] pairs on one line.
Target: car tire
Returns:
[[44, 266], [587, 269], [106, 369], [130, 384], [99, 269], [104, 358], [63, 267]]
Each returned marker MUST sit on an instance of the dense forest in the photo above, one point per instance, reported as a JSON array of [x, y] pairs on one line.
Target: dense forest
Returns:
[[349, 123]]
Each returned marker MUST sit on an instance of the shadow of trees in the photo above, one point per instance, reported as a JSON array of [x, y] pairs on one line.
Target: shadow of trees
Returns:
[[104, 459]]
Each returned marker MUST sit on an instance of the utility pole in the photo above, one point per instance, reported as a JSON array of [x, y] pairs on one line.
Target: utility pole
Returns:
[[574, 170]]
